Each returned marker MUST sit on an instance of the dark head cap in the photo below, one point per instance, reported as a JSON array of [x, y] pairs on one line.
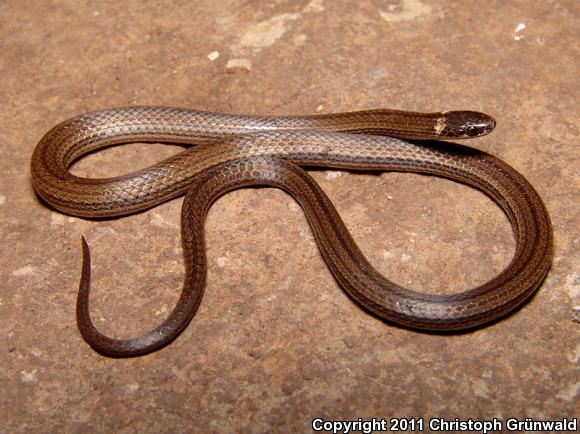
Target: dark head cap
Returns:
[[464, 124]]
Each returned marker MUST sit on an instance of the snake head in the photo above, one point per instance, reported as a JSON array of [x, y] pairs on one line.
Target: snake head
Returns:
[[464, 124]]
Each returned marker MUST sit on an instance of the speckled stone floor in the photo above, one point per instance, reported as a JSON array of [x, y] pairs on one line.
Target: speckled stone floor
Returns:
[[276, 342]]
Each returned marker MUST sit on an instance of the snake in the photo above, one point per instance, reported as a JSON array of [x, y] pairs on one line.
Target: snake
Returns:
[[228, 152]]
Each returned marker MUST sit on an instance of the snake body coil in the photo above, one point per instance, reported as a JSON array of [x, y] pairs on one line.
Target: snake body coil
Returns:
[[237, 151]]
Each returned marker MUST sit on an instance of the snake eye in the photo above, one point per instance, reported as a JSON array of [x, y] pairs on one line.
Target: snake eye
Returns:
[[473, 131]]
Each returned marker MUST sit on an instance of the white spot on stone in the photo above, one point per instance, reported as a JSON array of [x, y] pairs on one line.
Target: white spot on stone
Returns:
[[159, 221], [35, 352], [319, 108], [213, 55], [27, 270], [133, 387], [572, 286], [389, 197], [222, 261], [575, 357], [225, 20], [333, 174], [239, 63], [293, 206], [480, 389], [576, 314], [401, 355], [405, 257], [517, 35], [387, 254], [28, 377], [300, 39], [570, 392], [408, 10], [314, 6], [267, 32], [375, 76], [2, 199], [58, 219], [161, 311]]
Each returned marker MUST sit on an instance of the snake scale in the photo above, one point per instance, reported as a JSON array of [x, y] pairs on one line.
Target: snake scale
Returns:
[[232, 151]]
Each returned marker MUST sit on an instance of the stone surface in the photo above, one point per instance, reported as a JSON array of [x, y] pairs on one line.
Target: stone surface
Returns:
[[276, 342]]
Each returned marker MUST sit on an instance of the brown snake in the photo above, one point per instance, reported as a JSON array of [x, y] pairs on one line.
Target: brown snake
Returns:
[[238, 151]]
